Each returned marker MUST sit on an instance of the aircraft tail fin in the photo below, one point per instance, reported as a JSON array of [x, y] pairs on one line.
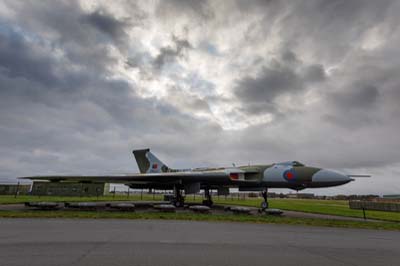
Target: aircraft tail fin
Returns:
[[148, 162]]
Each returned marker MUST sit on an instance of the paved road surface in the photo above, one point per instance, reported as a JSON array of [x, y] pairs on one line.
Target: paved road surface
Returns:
[[137, 242]]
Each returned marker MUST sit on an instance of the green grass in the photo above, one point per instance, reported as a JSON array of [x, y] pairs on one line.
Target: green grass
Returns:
[[200, 217], [332, 207]]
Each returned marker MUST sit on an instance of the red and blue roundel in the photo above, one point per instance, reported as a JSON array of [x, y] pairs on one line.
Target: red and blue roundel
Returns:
[[289, 175]]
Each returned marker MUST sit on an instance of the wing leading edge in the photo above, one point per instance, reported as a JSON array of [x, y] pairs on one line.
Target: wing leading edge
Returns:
[[127, 178]]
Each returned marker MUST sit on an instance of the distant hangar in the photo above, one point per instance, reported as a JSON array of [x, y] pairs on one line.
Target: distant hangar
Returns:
[[44, 188]]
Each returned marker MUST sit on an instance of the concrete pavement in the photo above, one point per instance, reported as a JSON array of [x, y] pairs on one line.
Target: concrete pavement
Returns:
[[155, 242]]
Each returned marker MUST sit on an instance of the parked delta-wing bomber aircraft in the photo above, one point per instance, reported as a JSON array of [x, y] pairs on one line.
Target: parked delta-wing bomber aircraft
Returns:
[[154, 174]]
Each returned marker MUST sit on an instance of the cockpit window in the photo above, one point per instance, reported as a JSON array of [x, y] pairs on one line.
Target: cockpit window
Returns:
[[296, 163], [292, 163]]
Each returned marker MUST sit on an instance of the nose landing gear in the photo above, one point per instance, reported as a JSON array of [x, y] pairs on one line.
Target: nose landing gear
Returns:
[[178, 200], [264, 204]]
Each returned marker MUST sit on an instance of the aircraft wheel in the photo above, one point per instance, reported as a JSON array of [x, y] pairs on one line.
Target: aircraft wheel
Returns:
[[264, 205], [178, 203], [208, 203]]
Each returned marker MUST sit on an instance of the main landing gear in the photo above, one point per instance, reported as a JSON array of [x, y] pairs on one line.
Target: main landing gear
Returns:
[[178, 199], [264, 204], [208, 201]]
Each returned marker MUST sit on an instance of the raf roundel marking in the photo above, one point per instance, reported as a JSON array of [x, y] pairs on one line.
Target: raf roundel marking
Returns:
[[289, 175], [234, 176]]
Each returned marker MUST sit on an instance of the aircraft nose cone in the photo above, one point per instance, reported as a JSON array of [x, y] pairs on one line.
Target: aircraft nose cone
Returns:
[[330, 177]]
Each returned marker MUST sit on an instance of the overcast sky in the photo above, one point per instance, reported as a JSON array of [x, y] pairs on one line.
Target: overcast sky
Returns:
[[201, 83]]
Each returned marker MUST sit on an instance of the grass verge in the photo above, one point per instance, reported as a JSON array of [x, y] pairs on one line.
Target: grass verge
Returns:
[[331, 207], [200, 217]]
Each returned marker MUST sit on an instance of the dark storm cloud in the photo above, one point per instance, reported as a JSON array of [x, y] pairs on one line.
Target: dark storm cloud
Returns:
[[198, 9], [169, 54], [32, 61], [269, 83], [358, 97], [17, 59], [107, 24], [354, 107], [81, 34], [61, 19], [314, 73], [149, 67], [329, 28], [31, 77], [44, 30], [53, 105], [67, 107], [288, 76], [31, 72]]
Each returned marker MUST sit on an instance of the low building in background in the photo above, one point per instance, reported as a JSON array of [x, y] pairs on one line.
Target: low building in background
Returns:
[[43, 188], [300, 195], [392, 196], [12, 189]]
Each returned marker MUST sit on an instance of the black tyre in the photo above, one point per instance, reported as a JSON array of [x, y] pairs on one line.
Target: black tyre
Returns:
[[178, 203], [264, 205], [208, 203]]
